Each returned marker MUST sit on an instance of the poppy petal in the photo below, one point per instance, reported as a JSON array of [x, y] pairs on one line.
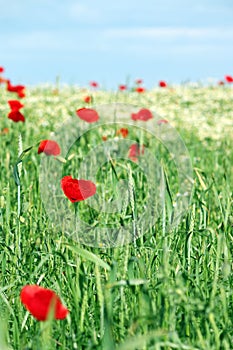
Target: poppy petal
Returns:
[[94, 84], [123, 131], [77, 190], [16, 116], [15, 105], [49, 147], [39, 302], [122, 87], [144, 114], [229, 78], [140, 89], [87, 114], [138, 81], [135, 151], [162, 84], [88, 99]]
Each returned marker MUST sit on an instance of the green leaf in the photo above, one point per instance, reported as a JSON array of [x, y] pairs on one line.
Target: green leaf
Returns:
[[16, 173], [19, 161], [22, 155], [89, 256]]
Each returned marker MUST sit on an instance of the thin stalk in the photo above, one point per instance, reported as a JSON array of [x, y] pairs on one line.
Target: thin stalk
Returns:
[[19, 200]]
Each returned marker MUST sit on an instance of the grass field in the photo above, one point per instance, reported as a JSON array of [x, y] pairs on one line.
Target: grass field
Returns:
[[168, 289]]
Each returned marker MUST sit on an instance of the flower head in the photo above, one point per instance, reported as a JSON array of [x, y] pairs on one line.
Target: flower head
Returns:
[[162, 84], [229, 78], [15, 105], [138, 81], [87, 99], [135, 151], [16, 116], [94, 84], [49, 147], [4, 131], [87, 114], [144, 114], [77, 190], [140, 89], [41, 301], [2, 80], [123, 131], [19, 89], [122, 87]]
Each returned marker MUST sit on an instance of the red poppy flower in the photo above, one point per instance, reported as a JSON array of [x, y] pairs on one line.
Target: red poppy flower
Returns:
[[221, 82], [122, 87], [162, 121], [77, 190], [16, 116], [162, 84], [4, 131], [87, 99], [140, 89], [138, 81], [144, 114], [10, 87], [104, 138], [2, 80], [40, 302], [87, 114], [1, 69], [229, 78], [123, 131], [21, 93], [15, 105], [94, 84], [135, 151], [49, 147], [19, 89]]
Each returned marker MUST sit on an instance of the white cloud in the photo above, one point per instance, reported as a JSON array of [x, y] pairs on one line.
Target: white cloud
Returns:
[[169, 33], [33, 40], [83, 13], [43, 41], [140, 41]]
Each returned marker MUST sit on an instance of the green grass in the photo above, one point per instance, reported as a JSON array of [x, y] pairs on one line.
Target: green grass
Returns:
[[168, 289]]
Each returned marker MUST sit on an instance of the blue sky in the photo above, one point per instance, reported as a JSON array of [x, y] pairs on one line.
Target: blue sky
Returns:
[[108, 41]]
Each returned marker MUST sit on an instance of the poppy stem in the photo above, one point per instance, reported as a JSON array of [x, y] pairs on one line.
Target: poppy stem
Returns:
[[76, 208], [19, 202], [141, 141], [18, 249]]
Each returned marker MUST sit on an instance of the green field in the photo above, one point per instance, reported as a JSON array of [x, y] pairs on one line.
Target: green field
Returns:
[[171, 288]]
